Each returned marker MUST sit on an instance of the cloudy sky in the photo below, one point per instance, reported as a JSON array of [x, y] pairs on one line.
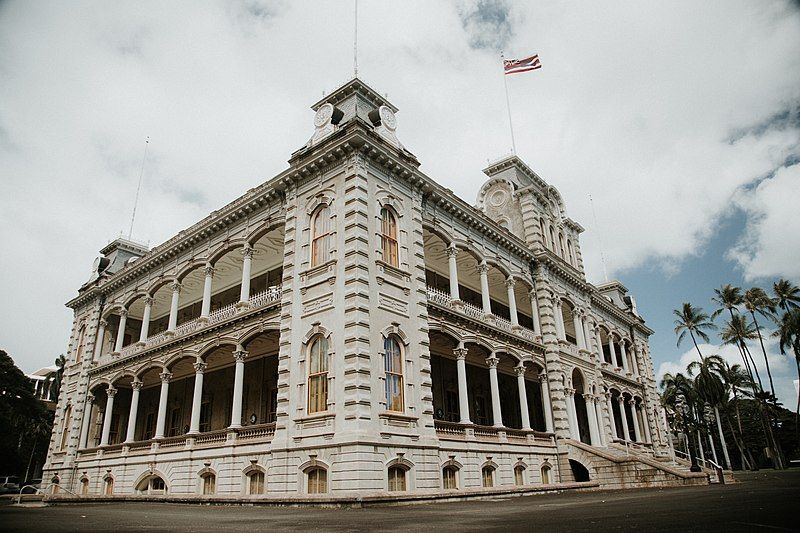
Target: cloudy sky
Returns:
[[680, 119]]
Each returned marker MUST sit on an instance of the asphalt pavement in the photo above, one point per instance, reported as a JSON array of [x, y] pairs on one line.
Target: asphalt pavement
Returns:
[[762, 501]]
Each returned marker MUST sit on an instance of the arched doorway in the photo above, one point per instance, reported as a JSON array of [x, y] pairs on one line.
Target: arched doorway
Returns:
[[579, 472], [581, 415]]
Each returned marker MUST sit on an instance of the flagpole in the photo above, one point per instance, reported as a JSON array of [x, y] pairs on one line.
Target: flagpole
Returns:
[[355, 40], [508, 108]]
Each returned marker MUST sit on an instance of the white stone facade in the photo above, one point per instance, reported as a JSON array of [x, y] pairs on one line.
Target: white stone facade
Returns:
[[350, 328]]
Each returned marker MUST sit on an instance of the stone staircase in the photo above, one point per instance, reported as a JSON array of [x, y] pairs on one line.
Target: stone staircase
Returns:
[[616, 467]]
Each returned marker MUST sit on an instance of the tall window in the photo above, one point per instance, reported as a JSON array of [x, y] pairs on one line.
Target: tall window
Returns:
[[67, 424], [81, 340], [543, 227], [175, 422], [256, 480], [321, 236], [205, 416], [389, 237], [318, 376], [487, 475], [393, 364], [85, 486], [109, 486], [519, 475], [317, 481], [546, 474], [209, 483], [449, 478], [397, 479]]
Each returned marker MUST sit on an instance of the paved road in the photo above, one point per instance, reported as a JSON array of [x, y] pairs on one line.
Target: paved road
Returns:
[[763, 501]]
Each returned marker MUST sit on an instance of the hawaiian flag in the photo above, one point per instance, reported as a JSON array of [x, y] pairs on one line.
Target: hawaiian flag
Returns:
[[512, 66]]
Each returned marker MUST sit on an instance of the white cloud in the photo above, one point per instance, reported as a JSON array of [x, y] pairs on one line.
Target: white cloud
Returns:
[[660, 111]]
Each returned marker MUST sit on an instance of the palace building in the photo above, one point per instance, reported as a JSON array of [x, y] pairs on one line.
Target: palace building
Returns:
[[352, 329]]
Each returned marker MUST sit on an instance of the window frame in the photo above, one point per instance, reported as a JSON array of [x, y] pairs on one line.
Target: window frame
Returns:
[[452, 469], [318, 377], [261, 485], [66, 427], [487, 473], [519, 475], [390, 242], [394, 375], [397, 478], [208, 484], [317, 477], [320, 237]]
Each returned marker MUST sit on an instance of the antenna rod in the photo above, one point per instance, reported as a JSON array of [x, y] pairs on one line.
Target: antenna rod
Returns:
[[355, 41], [599, 240], [139, 187]]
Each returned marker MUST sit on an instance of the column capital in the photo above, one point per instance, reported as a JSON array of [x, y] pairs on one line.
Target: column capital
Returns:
[[111, 392], [176, 287], [492, 361], [208, 270], [510, 282], [248, 251], [461, 353], [451, 251], [136, 384], [90, 398], [103, 323], [149, 300], [632, 401], [165, 376], [620, 400], [200, 367], [520, 370], [569, 391], [240, 355], [123, 312], [483, 268]]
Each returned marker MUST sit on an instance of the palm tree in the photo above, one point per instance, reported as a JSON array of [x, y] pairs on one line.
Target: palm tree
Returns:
[[756, 301], [787, 295], [728, 298], [678, 397], [789, 334], [711, 388], [738, 381], [694, 321], [737, 331]]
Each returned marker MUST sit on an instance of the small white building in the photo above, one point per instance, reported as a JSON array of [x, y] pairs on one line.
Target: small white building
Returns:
[[351, 328]]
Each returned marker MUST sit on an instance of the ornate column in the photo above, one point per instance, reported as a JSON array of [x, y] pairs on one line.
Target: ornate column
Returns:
[[197, 396], [87, 419], [148, 309], [548, 410], [247, 257], [238, 387], [161, 421], [558, 315], [452, 253], [553, 366], [497, 415], [626, 434], [587, 336], [123, 319], [611, 419], [601, 425], [98, 339], [512, 301], [537, 325], [612, 350], [635, 359], [136, 386], [637, 435], [523, 397], [623, 353], [111, 392], [577, 324], [173, 307], [463, 398], [591, 414], [646, 426], [205, 308], [483, 270], [573, 428]]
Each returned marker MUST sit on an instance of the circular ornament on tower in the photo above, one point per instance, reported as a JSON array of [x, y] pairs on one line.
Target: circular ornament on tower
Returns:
[[323, 116], [387, 118]]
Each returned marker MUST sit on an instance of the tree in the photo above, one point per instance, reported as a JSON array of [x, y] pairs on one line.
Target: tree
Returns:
[[694, 321], [678, 397], [738, 331], [787, 295], [728, 298], [756, 301], [711, 388], [789, 334]]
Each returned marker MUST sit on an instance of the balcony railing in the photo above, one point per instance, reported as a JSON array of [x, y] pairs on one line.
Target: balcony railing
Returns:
[[455, 430], [443, 299], [263, 299]]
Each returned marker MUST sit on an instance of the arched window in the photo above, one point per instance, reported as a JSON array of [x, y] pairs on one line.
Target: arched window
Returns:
[[561, 246], [85, 486], [397, 479], [519, 475], [571, 252], [65, 427], [487, 475], [317, 481], [546, 474], [393, 364], [152, 485], [108, 489], [552, 239], [80, 345], [255, 482], [209, 483], [543, 228], [389, 237], [318, 376], [320, 236], [449, 478]]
